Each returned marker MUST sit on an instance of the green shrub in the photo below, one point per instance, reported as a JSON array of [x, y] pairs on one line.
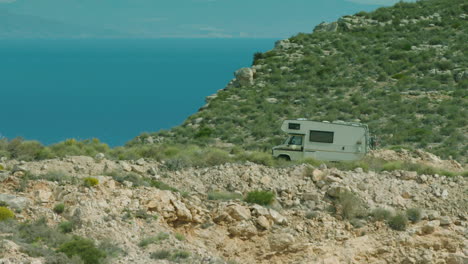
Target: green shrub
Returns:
[[380, 214], [260, 197], [161, 254], [59, 208], [179, 237], [224, 196], [84, 248], [55, 176], [6, 214], [414, 214], [180, 254], [349, 205], [398, 222], [153, 240], [66, 227], [393, 165], [1, 167], [90, 182]]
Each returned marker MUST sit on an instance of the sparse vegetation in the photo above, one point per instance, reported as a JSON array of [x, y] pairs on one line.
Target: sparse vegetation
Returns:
[[350, 206], [161, 254], [153, 239], [381, 214], [260, 197], [84, 248], [90, 182], [398, 222], [66, 227], [414, 214], [59, 208], [179, 237], [6, 214]]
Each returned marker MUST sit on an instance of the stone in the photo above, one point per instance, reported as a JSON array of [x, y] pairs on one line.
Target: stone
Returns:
[[244, 230], [335, 191], [317, 175], [445, 221], [99, 156], [456, 259], [43, 196], [444, 194], [310, 196], [125, 166], [259, 210], [326, 27], [244, 76], [263, 222], [140, 162], [281, 242], [409, 175], [15, 202], [277, 217], [430, 227], [272, 100], [3, 176], [238, 212]]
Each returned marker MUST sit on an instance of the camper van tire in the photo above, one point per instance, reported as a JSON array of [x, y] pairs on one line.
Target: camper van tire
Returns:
[[284, 157]]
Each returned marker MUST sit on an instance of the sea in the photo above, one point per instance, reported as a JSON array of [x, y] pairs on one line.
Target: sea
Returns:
[[113, 90]]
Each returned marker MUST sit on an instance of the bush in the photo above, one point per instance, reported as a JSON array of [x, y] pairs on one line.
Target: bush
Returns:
[[311, 215], [380, 214], [153, 240], [1, 167], [398, 222], [414, 214], [260, 197], [223, 196], [179, 237], [180, 254], [6, 214], [161, 254], [349, 205], [59, 208], [90, 182], [84, 248], [55, 176], [66, 227]]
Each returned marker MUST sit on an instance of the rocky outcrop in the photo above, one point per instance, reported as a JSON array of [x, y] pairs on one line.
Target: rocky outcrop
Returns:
[[244, 77]]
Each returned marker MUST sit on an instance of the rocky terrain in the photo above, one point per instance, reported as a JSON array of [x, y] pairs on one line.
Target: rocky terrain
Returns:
[[306, 223]]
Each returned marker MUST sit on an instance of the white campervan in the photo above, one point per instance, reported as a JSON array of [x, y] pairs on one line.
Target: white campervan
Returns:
[[334, 141]]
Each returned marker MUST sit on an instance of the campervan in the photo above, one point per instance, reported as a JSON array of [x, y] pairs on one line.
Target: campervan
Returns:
[[335, 141]]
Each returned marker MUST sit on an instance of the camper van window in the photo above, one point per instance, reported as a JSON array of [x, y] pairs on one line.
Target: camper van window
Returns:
[[294, 126], [321, 136], [296, 140]]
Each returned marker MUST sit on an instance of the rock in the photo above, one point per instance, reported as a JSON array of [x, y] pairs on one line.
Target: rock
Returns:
[[431, 215], [43, 196], [456, 259], [359, 170], [265, 180], [244, 76], [140, 162], [244, 230], [258, 210], [311, 197], [281, 242], [125, 166], [445, 221], [263, 222], [430, 227], [238, 212], [3, 176], [17, 168], [277, 217], [409, 175], [149, 140], [15, 202], [272, 100], [138, 169], [444, 194], [99, 156], [317, 175], [326, 27], [335, 191]]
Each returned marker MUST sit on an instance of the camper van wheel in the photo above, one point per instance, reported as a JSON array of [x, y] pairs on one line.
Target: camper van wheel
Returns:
[[284, 157]]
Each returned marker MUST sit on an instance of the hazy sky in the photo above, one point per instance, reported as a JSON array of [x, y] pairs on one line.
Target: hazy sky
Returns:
[[194, 18]]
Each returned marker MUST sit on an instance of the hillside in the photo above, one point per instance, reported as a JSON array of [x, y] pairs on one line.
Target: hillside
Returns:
[[403, 70], [94, 211]]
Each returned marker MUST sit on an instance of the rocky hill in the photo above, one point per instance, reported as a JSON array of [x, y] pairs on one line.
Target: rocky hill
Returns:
[[403, 70], [139, 212]]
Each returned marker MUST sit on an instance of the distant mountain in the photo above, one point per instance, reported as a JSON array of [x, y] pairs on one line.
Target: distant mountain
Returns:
[[26, 27], [403, 70]]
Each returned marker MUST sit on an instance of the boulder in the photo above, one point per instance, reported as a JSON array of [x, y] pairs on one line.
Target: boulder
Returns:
[[263, 222], [445, 221], [244, 230], [99, 156], [125, 166], [238, 212], [244, 76], [430, 227], [326, 27], [15, 202], [281, 242], [277, 217]]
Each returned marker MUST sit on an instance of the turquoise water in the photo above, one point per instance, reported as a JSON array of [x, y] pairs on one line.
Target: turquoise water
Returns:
[[51, 90]]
